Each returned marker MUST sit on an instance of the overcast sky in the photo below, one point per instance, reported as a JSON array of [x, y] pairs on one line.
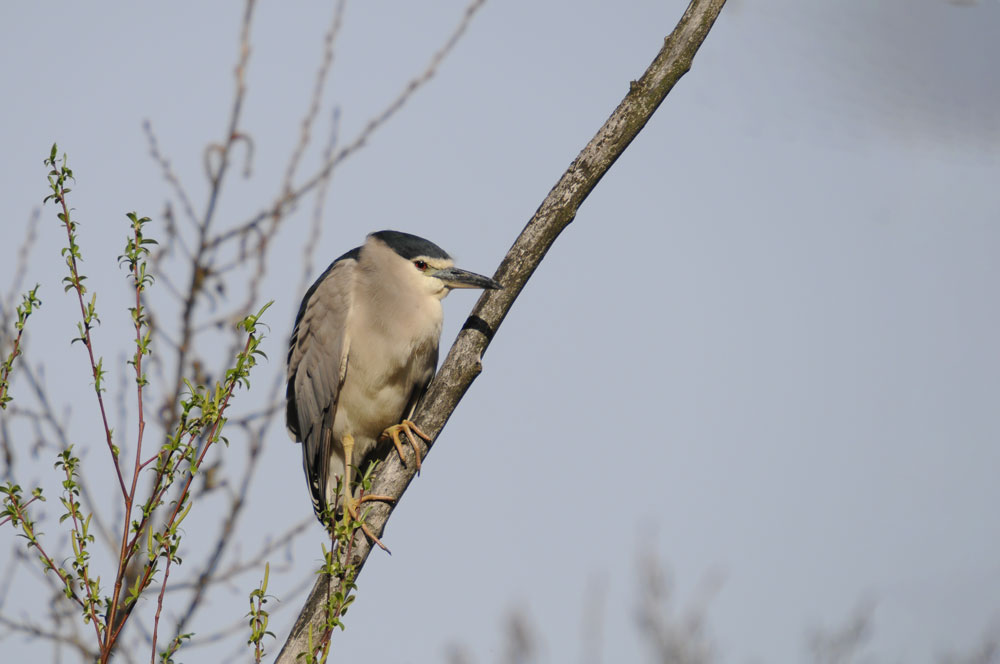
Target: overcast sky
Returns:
[[765, 351]]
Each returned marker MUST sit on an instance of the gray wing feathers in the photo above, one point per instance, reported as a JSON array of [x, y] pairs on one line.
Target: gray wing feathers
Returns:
[[317, 364]]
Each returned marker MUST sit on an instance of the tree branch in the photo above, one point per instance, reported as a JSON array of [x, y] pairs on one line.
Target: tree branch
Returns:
[[555, 213]]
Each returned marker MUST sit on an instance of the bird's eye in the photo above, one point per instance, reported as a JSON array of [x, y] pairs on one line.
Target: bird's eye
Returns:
[[420, 265]]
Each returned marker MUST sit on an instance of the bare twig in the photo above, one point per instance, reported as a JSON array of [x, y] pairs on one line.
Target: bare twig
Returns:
[[287, 199], [52, 635], [316, 227], [254, 563], [169, 175], [322, 73]]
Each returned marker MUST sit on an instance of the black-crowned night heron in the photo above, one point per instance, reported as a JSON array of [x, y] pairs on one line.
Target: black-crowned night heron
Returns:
[[364, 348]]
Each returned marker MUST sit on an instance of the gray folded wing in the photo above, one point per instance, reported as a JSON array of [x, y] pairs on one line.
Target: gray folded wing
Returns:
[[317, 365]]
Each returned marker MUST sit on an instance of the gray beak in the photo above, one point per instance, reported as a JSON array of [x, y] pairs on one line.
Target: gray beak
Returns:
[[453, 277]]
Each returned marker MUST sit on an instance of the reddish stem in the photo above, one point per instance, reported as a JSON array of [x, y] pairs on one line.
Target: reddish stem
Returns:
[[86, 340], [113, 629], [159, 608], [125, 553]]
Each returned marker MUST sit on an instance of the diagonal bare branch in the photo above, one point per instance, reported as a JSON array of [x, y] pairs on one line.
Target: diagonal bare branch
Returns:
[[555, 213]]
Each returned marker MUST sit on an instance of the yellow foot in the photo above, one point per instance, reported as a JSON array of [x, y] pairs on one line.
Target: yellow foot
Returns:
[[409, 428], [351, 510]]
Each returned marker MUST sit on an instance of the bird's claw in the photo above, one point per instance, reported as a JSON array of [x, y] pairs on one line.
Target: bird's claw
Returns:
[[351, 511], [409, 428]]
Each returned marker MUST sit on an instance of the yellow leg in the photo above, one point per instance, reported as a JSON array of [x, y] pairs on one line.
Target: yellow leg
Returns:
[[350, 504], [349, 508]]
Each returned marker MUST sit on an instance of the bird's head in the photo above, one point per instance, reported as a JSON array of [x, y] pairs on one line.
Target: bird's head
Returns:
[[421, 264]]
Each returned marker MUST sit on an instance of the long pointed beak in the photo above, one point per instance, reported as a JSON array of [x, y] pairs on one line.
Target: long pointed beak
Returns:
[[454, 277]]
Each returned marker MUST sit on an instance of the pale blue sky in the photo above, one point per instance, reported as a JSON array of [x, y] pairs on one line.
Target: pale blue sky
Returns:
[[766, 349]]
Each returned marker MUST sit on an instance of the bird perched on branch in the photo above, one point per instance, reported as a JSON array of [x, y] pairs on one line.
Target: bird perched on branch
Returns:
[[364, 349]]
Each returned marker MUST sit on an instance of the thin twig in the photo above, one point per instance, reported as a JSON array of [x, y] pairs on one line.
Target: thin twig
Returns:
[[169, 175], [322, 73], [316, 227], [55, 636], [287, 199], [280, 542], [159, 607]]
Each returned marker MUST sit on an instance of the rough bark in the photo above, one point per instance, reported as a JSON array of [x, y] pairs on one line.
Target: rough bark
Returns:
[[555, 213]]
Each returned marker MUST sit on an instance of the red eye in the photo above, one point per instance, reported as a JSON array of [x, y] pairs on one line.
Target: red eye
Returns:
[[421, 265]]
